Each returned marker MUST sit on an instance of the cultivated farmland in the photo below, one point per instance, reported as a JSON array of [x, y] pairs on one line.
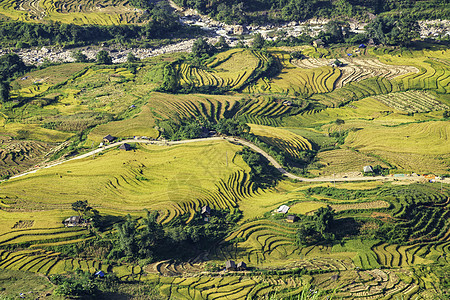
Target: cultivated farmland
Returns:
[[80, 13]]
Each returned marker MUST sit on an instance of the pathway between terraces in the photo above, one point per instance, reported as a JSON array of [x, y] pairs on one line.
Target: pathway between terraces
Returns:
[[234, 140]]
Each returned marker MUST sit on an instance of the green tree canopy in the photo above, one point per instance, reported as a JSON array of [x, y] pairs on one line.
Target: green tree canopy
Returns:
[[103, 58]]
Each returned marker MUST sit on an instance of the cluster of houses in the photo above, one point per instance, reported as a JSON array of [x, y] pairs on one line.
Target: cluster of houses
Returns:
[[109, 139], [230, 265], [283, 209]]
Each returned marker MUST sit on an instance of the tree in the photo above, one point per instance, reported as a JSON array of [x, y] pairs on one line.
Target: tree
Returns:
[[103, 58], [258, 41], [393, 31], [200, 48], [221, 44], [4, 91], [323, 218], [79, 56], [131, 58], [81, 207], [10, 64], [339, 122]]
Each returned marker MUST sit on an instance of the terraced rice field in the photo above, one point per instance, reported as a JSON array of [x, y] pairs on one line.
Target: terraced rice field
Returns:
[[232, 72], [293, 80], [103, 12], [419, 147], [168, 179], [357, 69], [17, 156], [412, 101], [285, 140], [262, 111], [342, 161], [48, 263]]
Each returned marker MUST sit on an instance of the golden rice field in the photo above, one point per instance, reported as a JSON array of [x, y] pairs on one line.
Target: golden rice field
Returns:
[[285, 140], [343, 161], [409, 147], [103, 12], [356, 69], [169, 179], [231, 69]]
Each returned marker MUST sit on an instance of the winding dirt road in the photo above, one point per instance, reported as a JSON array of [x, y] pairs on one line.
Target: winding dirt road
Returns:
[[235, 141]]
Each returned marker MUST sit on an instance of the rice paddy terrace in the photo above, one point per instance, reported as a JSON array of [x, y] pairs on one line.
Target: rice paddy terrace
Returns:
[[80, 13], [391, 107]]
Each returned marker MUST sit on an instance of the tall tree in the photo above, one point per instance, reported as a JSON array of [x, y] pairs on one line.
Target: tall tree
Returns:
[[103, 58]]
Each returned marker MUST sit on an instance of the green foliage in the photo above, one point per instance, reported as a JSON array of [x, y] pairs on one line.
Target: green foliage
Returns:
[[131, 58], [258, 41], [232, 127], [262, 173], [318, 229], [81, 207], [201, 48], [79, 284], [79, 56], [10, 66], [393, 31], [4, 91], [104, 58]]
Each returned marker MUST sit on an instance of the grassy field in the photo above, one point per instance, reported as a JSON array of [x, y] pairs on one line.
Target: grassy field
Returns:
[[87, 12]]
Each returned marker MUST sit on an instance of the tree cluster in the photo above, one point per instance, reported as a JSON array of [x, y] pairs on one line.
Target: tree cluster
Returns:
[[318, 229], [148, 240], [262, 173], [264, 11], [11, 65]]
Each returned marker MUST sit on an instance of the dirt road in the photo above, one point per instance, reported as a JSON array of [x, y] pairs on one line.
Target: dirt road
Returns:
[[235, 141]]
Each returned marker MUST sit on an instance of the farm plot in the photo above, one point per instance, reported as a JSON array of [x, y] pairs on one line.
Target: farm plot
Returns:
[[103, 12], [231, 73], [154, 177], [283, 139], [296, 82], [412, 101], [49, 263], [407, 145], [17, 155], [262, 111], [343, 161], [357, 69]]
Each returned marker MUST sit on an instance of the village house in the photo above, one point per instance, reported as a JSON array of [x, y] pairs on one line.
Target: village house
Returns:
[[291, 218], [242, 266], [230, 265], [368, 169], [108, 139], [125, 147], [73, 221], [283, 209]]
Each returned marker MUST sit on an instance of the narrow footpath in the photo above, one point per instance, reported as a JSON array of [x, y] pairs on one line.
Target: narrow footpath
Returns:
[[234, 140]]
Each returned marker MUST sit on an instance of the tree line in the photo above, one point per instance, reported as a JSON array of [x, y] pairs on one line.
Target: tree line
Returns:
[[264, 11]]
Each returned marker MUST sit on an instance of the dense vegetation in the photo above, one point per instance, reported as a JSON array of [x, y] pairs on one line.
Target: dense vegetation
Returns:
[[261, 11]]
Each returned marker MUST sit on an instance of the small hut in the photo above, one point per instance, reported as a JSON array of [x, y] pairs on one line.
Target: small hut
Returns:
[[72, 221], [291, 218], [368, 169], [318, 43], [125, 147], [230, 265], [108, 139], [242, 266], [206, 210], [283, 209]]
